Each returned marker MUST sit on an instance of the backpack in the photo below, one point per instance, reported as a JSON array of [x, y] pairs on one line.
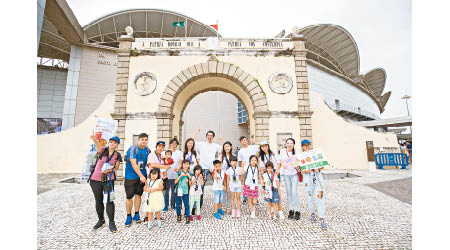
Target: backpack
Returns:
[[92, 167], [135, 147]]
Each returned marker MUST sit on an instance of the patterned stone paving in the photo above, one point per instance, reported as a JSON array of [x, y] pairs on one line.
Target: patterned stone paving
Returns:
[[358, 217]]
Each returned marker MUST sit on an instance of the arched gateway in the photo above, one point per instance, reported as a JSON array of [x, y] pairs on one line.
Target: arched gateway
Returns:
[[212, 75], [157, 77]]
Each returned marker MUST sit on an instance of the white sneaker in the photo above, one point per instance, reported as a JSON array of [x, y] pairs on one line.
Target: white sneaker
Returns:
[[281, 215], [253, 216]]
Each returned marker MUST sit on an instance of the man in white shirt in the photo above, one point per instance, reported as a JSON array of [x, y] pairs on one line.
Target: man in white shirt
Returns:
[[209, 152], [244, 155]]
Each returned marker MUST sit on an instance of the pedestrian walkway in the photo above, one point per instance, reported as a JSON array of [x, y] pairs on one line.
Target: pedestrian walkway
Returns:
[[358, 217]]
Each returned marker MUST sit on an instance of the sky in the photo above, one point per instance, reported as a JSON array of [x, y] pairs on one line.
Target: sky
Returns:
[[381, 28]]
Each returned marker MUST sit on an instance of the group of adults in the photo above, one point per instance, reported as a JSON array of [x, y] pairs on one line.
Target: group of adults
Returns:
[[140, 159]]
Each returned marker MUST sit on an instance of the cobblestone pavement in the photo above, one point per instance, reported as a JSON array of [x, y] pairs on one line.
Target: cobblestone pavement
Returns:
[[358, 217]]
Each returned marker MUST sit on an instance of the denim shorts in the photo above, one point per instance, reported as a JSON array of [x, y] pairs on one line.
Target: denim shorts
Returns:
[[275, 197], [236, 189], [218, 196]]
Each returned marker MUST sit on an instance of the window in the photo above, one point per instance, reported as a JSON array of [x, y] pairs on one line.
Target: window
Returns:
[[242, 113]]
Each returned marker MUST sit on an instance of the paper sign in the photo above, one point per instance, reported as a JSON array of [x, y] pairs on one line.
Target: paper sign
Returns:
[[290, 162], [312, 159], [105, 128]]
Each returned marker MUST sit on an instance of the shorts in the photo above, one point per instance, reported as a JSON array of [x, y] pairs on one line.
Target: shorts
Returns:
[[218, 196], [275, 197], [235, 189], [133, 187]]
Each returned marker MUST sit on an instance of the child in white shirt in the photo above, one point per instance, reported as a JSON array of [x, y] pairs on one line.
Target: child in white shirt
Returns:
[[272, 185], [251, 184], [218, 188], [234, 175], [195, 191]]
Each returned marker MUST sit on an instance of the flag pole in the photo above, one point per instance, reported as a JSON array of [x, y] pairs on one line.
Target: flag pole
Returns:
[[217, 31]]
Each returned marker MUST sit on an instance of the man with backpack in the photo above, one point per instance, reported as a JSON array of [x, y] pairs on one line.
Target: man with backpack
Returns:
[[135, 176]]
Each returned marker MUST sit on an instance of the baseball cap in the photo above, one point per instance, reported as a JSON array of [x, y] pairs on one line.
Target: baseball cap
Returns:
[[161, 142], [115, 138], [304, 142], [264, 142]]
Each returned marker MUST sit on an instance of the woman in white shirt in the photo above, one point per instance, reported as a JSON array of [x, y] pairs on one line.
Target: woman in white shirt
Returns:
[[266, 155], [287, 161], [190, 154]]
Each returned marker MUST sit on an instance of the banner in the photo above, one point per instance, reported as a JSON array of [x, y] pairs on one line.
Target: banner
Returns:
[[312, 159], [105, 128]]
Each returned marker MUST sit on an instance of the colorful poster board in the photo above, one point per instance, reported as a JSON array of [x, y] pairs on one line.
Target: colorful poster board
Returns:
[[312, 159]]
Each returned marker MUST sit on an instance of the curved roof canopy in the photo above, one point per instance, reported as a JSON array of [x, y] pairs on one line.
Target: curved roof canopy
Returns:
[[146, 23], [332, 46], [375, 80], [52, 44]]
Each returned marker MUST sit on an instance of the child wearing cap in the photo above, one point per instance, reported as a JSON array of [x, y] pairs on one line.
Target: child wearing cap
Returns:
[[314, 189]]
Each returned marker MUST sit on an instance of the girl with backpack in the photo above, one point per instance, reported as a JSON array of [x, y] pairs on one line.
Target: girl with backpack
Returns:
[[102, 180]]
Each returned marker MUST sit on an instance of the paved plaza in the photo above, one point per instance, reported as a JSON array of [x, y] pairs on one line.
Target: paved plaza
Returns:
[[358, 216]]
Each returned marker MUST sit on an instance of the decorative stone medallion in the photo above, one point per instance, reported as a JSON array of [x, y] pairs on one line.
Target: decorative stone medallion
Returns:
[[280, 83], [144, 83]]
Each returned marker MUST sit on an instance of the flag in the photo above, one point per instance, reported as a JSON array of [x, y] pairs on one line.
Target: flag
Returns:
[[178, 24], [215, 26]]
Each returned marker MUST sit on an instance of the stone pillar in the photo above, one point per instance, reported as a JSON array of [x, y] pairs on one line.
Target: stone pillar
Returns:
[[261, 125], [301, 76], [164, 123], [120, 103]]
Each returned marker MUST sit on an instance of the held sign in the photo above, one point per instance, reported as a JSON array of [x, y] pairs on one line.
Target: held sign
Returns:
[[312, 159]]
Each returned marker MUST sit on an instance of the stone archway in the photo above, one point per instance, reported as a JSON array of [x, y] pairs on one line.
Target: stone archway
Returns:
[[213, 68]]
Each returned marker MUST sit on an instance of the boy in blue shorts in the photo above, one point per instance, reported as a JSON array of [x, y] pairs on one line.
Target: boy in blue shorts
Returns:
[[218, 188]]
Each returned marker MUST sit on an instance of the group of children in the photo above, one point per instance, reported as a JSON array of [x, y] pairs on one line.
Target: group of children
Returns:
[[188, 189]]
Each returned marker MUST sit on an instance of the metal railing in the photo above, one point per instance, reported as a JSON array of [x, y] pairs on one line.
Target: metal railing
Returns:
[[354, 110]]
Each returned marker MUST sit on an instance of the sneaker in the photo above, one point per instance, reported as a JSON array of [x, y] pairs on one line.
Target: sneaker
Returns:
[[217, 216], [269, 217], [179, 218], [297, 215], [233, 213], [99, 224], [275, 216], [253, 216], [238, 213], [199, 217], [291, 214], [128, 221], [159, 223], [188, 220], [145, 220], [228, 210], [313, 218], [112, 227], [150, 224], [323, 225], [165, 209], [220, 211], [191, 218], [244, 200], [137, 218], [281, 215]]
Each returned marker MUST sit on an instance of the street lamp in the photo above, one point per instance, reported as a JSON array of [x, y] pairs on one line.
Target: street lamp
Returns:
[[406, 97]]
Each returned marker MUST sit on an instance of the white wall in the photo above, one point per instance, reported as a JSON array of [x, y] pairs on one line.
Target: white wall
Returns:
[[216, 111], [331, 87], [51, 86]]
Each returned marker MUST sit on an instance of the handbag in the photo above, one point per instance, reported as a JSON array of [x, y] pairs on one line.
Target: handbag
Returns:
[[298, 169]]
